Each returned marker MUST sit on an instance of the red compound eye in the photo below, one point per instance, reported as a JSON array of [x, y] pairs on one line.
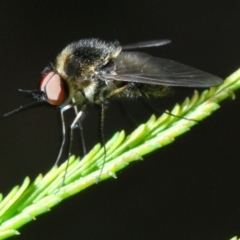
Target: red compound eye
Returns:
[[53, 86]]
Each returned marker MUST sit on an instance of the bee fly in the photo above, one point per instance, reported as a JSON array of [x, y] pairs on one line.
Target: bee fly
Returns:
[[92, 71]]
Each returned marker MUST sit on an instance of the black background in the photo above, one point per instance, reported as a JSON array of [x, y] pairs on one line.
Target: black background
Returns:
[[188, 190]]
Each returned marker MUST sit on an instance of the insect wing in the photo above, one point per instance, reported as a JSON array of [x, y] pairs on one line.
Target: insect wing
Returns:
[[143, 68], [147, 44]]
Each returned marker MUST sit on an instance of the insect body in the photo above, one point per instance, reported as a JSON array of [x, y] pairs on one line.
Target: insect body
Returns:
[[92, 71]]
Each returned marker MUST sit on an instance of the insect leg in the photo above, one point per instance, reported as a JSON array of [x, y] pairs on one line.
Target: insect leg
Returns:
[[117, 91], [74, 125], [103, 108], [126, 113], [147, 104], [80, 129], [65, 108]]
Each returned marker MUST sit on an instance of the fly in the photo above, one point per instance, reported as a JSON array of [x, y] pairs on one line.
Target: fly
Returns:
[[93, 72]]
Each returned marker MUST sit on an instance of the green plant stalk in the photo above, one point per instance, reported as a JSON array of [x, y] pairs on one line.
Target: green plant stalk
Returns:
[[29, 200]]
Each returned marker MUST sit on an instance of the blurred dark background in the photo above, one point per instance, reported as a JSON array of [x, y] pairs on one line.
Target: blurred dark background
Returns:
[[187, 190]]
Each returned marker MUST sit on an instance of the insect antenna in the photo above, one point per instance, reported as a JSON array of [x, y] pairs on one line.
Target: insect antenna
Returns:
[[21, 108], [35, 93]]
